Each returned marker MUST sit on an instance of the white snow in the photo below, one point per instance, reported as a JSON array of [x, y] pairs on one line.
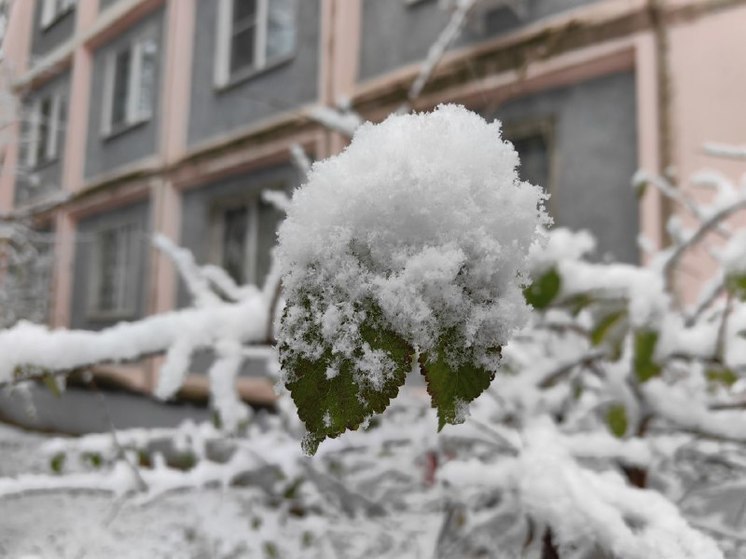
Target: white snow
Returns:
[[424, 216]]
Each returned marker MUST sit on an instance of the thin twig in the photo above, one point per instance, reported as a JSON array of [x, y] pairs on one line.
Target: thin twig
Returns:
[[705, 228], [558, 373]]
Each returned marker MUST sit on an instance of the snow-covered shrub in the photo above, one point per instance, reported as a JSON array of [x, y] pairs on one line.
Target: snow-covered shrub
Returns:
[[614, 426], [413, 241]]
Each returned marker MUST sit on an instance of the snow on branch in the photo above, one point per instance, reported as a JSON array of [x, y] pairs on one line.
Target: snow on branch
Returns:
[[689, 414], [583, 506], [438, 48], [344, 121], [725, 150], [33, 345]]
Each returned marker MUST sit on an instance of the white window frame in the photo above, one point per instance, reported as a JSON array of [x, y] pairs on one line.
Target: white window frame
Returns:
[[53, 10], [224, 35], [125, 296], [135, 113], [51, 149], [251, 242]]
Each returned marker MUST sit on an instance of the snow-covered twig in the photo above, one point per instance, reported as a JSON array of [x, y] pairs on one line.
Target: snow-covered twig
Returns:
[[725, 150]]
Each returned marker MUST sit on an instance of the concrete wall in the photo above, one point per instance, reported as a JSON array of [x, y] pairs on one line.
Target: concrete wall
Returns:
[[105, 154], [272, 91], [137, 214], [595, 156], [34, 184], [44, 41], [395, 34]]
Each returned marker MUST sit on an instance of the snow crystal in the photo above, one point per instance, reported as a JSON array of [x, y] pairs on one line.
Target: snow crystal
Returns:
[[422, 219]]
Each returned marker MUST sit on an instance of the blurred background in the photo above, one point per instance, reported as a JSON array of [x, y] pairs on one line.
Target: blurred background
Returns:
[[125, 118]]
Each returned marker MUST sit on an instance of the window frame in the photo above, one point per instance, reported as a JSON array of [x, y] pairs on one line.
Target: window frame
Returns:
[[127, 304], [52, 129], [135, 115], [53, 11], [252, 201], [251, 242], [223, 77]]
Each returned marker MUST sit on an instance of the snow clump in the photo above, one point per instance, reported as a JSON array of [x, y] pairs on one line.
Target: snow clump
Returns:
[[422, 226]]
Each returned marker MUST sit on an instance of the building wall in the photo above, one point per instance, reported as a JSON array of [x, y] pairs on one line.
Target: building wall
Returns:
[[594, 159], [197, 214], [198, 205], [708, 82], [36, 183], [395, 33], [106, 154], [137, 214], [272, 91], [44, 41]]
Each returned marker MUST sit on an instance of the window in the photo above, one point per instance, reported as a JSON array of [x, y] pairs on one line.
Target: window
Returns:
[[243, 234], [129, 86], [252, 34], [53, 10], [113, 260], [45, 127]]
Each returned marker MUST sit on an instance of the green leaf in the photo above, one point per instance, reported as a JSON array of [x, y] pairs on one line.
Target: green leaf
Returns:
[[330, 406], [736, 285], [578, 302], [640, 186], [645, 367], [51, 383], [542, 292], [605, 325], [93, 458], [452, 388], [57, 462], [722, 376], [270, 550], [616, 419]]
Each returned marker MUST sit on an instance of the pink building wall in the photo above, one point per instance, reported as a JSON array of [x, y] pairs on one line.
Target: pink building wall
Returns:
[[709, 105]]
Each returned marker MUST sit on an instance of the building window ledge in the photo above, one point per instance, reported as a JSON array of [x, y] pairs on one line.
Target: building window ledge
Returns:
[[251, 73], [124, 129]]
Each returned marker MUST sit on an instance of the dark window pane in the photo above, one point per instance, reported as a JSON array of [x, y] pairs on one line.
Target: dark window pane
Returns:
[[534, 153], [107, 288], [45, 114], [280, 29], [242, 50], [235, 229], [119, 101], [243, 10]]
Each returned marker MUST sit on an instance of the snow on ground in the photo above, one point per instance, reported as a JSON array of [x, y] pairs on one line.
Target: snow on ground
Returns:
[[89, 525], [200, 523], [18, 452]]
